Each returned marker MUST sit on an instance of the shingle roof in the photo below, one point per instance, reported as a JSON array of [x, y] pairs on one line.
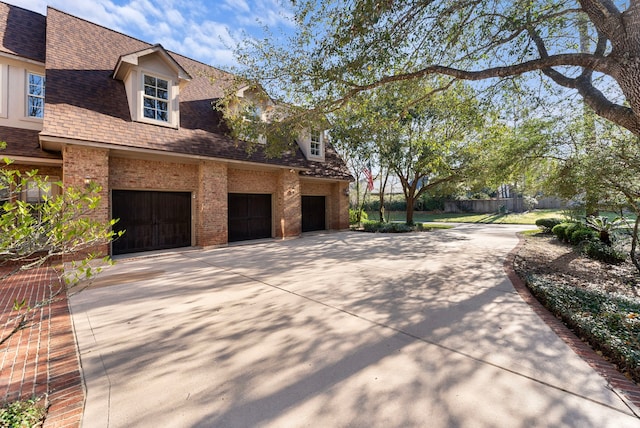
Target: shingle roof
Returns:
[[84, 102], [23, 32], [23, 142]]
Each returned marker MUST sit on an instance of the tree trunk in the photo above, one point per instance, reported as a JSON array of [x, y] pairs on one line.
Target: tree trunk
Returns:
[[410, 202]]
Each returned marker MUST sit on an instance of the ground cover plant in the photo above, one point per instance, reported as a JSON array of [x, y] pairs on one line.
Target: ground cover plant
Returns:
[[24, 413], [599, 301]]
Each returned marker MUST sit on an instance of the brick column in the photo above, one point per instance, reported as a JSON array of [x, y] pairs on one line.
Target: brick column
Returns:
[[339, 206], [288, 210], [82, 164], [212, 209]]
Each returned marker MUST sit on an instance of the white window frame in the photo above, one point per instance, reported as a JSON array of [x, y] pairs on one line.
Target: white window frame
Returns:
[[34, 194], [315, 144], [156, 99], [29, 95]]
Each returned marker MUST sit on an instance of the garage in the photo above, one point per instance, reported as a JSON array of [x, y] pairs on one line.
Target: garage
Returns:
[[152, 220], [249, 216], [313, 213]]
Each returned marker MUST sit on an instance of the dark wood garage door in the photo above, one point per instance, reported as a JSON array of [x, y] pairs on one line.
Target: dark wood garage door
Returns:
[[152, 220], [313, 213], [249, 216]]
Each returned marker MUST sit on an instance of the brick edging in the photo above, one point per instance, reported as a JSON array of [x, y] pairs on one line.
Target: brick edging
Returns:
[[66, 390], [606, 369]]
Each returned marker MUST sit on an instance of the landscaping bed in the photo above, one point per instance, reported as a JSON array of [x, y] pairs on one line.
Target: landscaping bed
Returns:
[[598, 301]]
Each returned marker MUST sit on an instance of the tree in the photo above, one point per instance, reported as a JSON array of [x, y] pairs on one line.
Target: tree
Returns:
[[418, 133], [343, 48], [59, 228]]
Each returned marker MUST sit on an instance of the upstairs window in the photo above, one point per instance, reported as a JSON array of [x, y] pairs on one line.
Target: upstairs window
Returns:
[[155, 98], [35, 95], [316, 144]]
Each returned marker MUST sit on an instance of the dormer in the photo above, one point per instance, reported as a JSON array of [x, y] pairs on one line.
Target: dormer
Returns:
[[152, 79], [312, 143]]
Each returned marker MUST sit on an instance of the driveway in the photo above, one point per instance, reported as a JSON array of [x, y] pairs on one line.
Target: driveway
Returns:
[[331, 330]]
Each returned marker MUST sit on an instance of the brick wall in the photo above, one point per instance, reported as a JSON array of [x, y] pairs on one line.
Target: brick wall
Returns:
[[288, 209], [212, 204], [81, 164], [136, 174], [246, 181]]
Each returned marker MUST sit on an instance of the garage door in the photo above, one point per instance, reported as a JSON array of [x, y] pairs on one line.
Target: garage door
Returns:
[[313, 213], [249, 216], [152, 220]]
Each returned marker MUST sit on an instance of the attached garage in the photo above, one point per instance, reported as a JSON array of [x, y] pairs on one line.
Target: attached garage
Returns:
[[313, 213], [152, 220], [249, 216]]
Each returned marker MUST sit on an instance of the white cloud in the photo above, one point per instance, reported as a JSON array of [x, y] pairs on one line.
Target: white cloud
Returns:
[[195, 28]]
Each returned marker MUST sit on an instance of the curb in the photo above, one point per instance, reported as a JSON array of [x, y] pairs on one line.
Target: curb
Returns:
[[628, 391]]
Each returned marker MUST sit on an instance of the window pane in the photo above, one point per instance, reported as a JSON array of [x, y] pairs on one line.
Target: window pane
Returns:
[[149, 80], [162, 115], [163, 84], [149, 103], [162, 105], [163, 94], [149, 90]]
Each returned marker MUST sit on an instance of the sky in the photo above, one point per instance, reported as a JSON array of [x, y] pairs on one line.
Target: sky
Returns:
[[205, 30]]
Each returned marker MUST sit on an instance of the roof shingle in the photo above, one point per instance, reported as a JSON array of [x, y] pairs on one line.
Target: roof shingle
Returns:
[[23, 32], [84, 102]]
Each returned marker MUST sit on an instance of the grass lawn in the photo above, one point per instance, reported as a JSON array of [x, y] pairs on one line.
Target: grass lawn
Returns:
[[529, 217], [512, 218]]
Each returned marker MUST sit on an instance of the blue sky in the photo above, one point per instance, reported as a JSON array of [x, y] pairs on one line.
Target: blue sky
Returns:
[[200, 29]]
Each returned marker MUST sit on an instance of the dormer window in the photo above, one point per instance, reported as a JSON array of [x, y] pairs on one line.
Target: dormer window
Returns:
[[315, 148], [35, 95], [155, 98], [153, 80]]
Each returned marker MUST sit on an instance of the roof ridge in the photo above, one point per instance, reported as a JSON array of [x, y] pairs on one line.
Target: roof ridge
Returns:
[[133, 38]]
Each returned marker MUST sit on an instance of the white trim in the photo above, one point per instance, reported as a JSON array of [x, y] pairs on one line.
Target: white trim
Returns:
[[28, 94], [172, 108], [21, 58]]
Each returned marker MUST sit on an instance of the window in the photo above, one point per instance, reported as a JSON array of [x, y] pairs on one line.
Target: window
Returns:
[[155, 98], [316, 144], [35, 95], [33, 193]]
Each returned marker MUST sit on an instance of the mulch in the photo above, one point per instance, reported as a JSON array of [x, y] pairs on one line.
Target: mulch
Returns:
[[40, 360]]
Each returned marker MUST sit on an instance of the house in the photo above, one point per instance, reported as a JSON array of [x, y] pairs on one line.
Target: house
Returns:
[[82, 103]]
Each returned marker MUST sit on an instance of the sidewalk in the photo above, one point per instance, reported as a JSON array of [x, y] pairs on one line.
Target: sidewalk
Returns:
[[42, 358]]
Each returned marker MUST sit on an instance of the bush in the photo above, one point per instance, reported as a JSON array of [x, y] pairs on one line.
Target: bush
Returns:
[[546, 224], [598, 250], [568, 232], [376, 226], [353, 216], [560, 231], [581, 235]]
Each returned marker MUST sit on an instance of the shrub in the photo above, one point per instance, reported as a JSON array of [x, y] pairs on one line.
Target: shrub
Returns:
[[353, 216], [581, 235], [568, 232], [546, 224], [560, 230], [376, 226], [598, 250]]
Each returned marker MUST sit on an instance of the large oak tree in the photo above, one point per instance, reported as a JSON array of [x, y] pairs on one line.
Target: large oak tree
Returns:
[[344, 47]]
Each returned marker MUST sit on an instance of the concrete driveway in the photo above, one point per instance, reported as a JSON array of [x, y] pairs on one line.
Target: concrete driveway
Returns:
[[332, 330]]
